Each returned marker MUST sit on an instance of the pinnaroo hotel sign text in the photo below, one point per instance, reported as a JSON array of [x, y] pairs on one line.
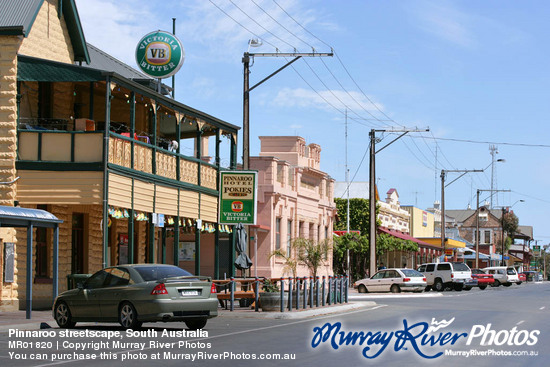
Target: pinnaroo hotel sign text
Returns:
[[238, 197]]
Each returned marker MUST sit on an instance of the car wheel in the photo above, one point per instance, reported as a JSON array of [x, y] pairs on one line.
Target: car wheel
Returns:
[[482, 287], [458, 287], [496, 283], [518, 283], [438, 285], [467, 288], [395, 289], [428, 288], [63, 316], [362, 289], [507, 284], [196, 324], [127, 316]]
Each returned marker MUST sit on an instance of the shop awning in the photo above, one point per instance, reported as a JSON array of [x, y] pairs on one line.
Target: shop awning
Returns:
[[449, 242], [404, 236], [30, 218]]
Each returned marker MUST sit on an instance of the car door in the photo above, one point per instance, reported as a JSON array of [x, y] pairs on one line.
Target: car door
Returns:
[[86, 304], [115, 289], [390, 278], [375, 283], [429, 273]]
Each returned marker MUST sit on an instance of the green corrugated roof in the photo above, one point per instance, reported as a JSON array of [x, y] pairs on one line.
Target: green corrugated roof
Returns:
[[17, 18], [40, 70]]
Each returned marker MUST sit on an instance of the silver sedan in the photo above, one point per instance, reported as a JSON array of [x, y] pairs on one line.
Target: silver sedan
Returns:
[[393, 280]]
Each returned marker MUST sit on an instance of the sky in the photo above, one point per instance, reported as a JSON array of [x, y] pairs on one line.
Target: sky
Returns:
[[475, 73]]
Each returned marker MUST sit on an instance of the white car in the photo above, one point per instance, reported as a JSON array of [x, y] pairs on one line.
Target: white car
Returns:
[[392, 280], [451, 275], [505, 275]]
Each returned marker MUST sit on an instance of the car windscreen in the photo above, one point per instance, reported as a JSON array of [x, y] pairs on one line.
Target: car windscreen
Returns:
[[460, 267], [412, 273], [149, 273], [511, 271]]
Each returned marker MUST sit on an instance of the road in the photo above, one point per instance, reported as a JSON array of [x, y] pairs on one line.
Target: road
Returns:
[[515, 318]]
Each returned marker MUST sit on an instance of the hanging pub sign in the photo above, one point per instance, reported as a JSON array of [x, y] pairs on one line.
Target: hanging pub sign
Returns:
[[159, 54], [238, 197]]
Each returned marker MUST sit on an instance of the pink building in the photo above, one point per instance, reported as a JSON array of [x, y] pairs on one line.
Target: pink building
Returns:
[[295, 200]]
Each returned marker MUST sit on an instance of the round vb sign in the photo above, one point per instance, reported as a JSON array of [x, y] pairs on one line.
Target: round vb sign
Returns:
[[159, 54]]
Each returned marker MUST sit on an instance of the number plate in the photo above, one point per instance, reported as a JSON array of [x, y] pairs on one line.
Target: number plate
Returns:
[[189, 292]]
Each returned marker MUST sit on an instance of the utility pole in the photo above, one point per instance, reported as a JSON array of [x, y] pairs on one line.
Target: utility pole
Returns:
[[247, 89], [494, 151], [347, 206], [477, 222], [372, 186], [443, 174]]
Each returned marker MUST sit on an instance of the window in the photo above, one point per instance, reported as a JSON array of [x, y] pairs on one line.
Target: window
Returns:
[[430, 267], [77, 263], [277, 233], [288, 236], [96, 280], [444, 267], [118, 277], [42, 260], [487, 237], [379, 275]]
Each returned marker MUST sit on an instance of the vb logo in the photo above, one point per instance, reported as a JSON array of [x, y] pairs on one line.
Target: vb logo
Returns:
[[158, 53], [237, 206]]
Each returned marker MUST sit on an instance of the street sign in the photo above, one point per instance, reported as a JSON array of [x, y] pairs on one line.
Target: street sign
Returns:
[[238, 197], [536, 251]]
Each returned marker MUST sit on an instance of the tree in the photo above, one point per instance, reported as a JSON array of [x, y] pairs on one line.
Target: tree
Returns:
[[312, 254], [358, 215], [510, 223], [358, 247], [290, 260]]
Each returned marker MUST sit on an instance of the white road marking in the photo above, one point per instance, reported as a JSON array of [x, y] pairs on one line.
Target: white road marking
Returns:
[[521, 322], [542, 308], [225, 335]]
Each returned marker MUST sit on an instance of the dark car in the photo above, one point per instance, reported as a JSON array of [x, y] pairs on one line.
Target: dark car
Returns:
[[133, 294], [483, 279]]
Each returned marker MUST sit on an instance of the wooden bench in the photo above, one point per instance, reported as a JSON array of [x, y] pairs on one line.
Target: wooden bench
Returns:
[[224, 297]]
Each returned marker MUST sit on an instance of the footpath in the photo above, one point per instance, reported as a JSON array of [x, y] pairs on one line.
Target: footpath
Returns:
[[44, 319]]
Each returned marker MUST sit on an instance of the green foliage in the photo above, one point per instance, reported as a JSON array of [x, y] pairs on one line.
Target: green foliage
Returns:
[[270, 287], [311, 254], [358, 247], [290, 260], [510, 223], [386, 242], [358, 215]]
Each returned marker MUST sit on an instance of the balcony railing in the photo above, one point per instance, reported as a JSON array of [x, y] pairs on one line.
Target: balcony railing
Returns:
[[87, 147]]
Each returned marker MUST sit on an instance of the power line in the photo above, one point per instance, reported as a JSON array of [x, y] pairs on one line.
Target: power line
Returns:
[[492, 142]]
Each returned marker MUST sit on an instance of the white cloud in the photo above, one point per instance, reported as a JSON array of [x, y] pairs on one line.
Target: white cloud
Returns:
[[116, 26], [444, 21]]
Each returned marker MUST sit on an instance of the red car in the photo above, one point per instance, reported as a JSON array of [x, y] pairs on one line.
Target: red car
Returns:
[[522, 278], [483, 279]]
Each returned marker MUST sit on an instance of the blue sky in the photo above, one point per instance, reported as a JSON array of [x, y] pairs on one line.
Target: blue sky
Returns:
[[475, 73]]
